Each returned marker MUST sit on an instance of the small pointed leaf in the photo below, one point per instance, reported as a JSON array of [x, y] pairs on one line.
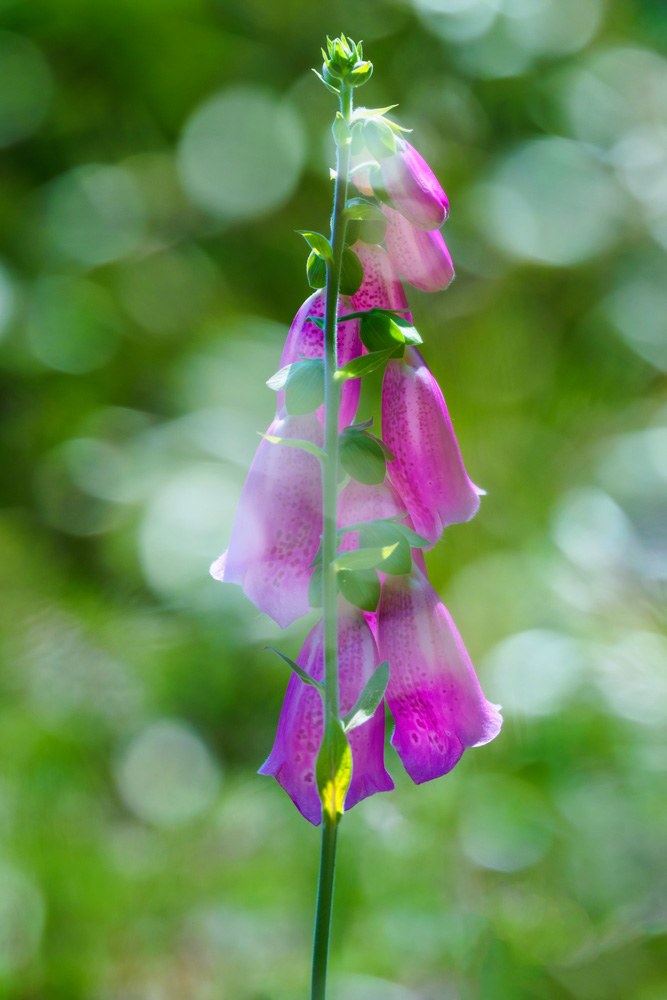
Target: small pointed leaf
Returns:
[[317, 242], [362, 558], [316, 270], [299, 671], [352, 273], [308, 446], [362, 457], [370, 698], [363, 365], [304, 389], [360, 588]]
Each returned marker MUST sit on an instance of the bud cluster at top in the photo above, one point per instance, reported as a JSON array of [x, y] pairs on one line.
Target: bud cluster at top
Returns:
[[344, 63]]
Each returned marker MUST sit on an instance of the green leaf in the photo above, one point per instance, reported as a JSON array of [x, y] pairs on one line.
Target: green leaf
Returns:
[[386, 535], [280, 379], [352, 273], [308, 446], [414, 540], [360, 588], [341, 132], [333, 770], [306, 678], [359, 208], [317, 320], [316, 270], [304, 388], [315, 587], [362, 558], [380, 332], [361, 366], [327, 85], [362, 457], [319, 243], [364, 114], [370, 698]]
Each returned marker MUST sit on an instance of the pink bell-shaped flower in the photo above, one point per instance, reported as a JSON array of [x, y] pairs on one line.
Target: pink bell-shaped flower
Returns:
[[278, 523], [294, 754], [420, 257], [382, 287], [413, 187], [433, 693], [427, 470], [305, 339]]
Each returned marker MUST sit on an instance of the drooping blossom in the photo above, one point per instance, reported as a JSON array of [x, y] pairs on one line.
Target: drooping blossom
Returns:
[[292, 759], [278, 523], [427, 470], [382, 287], [413, 187], [305, 339], [433, 694], [420, 257]]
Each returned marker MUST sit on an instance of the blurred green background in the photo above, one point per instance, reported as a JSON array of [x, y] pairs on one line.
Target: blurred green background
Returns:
[[156, 160]]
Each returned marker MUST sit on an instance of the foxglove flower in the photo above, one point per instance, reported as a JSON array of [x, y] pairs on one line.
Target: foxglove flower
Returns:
[[422, 258], [413, 187], [278, 523], [292, 759], [433, 694], [427, 470], [305, 339], [382, 287]]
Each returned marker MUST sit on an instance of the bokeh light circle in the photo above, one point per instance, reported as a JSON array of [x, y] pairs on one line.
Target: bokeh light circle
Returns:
[[26, 88], [166, 776], [72, 324], [241, 153]]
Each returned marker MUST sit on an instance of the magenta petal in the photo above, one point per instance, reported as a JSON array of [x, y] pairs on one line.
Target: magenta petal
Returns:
[[428, 470], [420, 257], [360, 503], [414, 189], [292, 759], [305, 339], [433, 694], [278, 523], [381, 287]]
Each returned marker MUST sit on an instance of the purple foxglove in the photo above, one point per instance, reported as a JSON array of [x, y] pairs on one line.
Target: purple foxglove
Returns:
[[278, 523], [382, 287], [413, 187], [427, 470], [307, 340], [420, 257], [433, 693], [292, 759]]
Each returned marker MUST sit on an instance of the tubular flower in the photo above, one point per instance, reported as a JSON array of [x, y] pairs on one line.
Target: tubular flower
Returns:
[[421, 257], [278, 522], [305, 339], [382, 287], [292, 759], [433, 693], [413, 187], [427, 470]]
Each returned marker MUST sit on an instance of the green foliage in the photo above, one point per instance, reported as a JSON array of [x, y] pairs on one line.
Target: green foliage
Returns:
[[301, 674], [371, 696], [333, 770]]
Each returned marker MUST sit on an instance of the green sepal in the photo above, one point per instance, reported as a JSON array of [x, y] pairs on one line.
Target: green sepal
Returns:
[[400, 560], [359, 208], [317, 320], [308, 446], [317, 242], [357, 559], [364, 114], [351, 273], [362, 456], [316, 270], [329, 86], [315, 598], [360, 588], [380, 331], [363, 365], [370, 698], [301, 674], [333, 770], [414, 540], [379, 138], [341, 131], [360, 75]]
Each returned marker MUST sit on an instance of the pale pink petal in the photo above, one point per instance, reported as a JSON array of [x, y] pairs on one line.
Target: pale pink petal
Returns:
[[413, 187], [433, 694], [381, 287], [420, 257], [292, 759], [428, 470], [278, 523], [305, 339]]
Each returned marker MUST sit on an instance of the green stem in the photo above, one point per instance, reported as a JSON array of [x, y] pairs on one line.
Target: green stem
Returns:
[[324, 905], [332, 393]]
